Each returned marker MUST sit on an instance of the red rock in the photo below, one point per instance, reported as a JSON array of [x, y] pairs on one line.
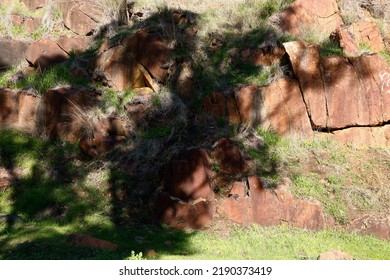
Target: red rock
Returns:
[[121, 68], [283, 109], [335, 255], [106, 135], [34, 4], [12, 53], [272, 207], [323, 16], [238, 190], [45, 53], [82, 17], [341, 92], [243, 105], [261, 56], [214, 104], [364, 136], [377, 224], [366, 31], [31, 25], [85, 240], [187, 176], [18, 110], [180, 215], [346, 42], [305, 60], [151, 51], [64, 112], [74, 44], [229, 157], [185, 81]]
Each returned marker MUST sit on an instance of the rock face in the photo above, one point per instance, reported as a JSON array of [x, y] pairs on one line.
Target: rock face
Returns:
[[12, 52], [187, 199], [364, 136], [322, 16], [270, 207], [278, 106], [341, 92], [374, 224], [34, 4], [82, 17]]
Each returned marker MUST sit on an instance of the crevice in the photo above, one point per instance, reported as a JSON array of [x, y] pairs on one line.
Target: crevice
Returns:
[[295, 77], [331, 130], [324, 90]]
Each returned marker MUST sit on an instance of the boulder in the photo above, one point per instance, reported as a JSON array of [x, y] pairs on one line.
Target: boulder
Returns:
[[149, 49], [377, 224], [12, 53], [82, 17], [229, 157], [31, 24], [321, 16], [215, 105], [272, 207], [335, 255], [85, 240], [45, 53], [64, 112]]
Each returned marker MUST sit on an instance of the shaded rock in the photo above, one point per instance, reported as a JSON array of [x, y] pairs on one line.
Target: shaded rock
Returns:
[[85, 240], [121, 68], [229, 157], [151, 51], [335, 255], [12, 53], [180, 215], [139, 107], [74, 44], [185, 81], [45, 53], [150, 253], [377, 224], [321, 16], [215, 105], [272, 207], [364, 136], [243, 105], [107, 134], [187, 176], [64, 112], [18, 109], [82, 17]]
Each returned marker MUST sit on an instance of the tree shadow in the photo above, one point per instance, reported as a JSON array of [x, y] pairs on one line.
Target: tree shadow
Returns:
[[47, 192]]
